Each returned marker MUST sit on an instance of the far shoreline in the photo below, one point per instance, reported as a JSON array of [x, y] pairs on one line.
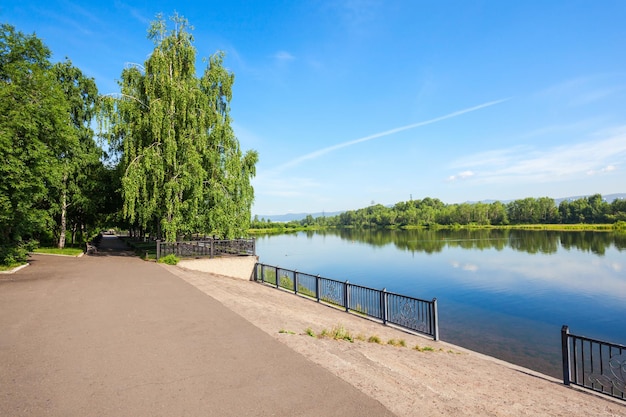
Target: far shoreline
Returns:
[[579, 227]]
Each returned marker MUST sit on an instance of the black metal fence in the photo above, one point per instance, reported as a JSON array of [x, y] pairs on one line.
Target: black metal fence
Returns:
[[407, 312], [594, 364], [206, 248]]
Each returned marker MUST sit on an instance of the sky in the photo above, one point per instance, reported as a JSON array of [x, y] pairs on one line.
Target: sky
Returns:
[[355, 102]]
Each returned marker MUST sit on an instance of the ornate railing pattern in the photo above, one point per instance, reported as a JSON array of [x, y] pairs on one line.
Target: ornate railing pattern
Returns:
[[407, 312], [594, 364], [208, 247]]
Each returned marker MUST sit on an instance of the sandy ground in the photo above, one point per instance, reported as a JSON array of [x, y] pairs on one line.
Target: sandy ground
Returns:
[[445, 381]]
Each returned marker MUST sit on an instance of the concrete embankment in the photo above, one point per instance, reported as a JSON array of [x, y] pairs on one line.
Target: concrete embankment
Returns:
[[436, 379]]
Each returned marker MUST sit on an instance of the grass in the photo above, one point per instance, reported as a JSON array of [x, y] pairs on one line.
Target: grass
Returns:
[[397, 343], [56, 251], [423, 349], [11, 266], [339, 332], [169, 259], [286, 331]]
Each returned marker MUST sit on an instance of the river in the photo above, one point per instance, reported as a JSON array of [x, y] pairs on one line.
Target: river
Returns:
[[504, 293]]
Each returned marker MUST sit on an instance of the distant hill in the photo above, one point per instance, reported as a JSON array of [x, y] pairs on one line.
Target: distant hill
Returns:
[[296, 216], [288, 217], [608, 198]]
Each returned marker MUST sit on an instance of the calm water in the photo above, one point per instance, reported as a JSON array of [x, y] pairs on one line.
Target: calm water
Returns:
[[503, 293]]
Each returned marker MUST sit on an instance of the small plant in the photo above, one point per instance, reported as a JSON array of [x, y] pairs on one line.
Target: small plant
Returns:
[[374, 339], [310, 332], [337, 333], [170, 259], [424, 349], [286, 331], [285, 282], [394, 342]]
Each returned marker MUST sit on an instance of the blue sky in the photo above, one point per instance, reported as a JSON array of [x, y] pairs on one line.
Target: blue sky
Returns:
[[360, 101]]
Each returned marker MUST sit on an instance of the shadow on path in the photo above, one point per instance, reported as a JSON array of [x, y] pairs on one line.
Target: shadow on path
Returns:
[[112, 246]]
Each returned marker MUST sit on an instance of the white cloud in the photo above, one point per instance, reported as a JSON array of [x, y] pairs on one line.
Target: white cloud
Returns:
[[461, 176], [283, 56], [606, 169], [531, 164]]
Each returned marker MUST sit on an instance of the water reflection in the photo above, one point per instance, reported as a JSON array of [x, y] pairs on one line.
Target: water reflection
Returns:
[[505, 293], [433, 241]]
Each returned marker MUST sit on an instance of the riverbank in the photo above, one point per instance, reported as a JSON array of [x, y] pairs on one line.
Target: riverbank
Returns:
[[579, 227], [436, 379]]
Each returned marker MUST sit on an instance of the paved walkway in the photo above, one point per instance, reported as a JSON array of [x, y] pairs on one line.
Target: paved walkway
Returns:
[[117, 336]]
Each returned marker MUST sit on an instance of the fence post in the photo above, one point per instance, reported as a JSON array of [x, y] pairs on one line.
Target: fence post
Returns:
[[346, 295], [435, 320], [277, 277], [565, 352], [158, 249], [317, 287], [383, 305], [212, 248], [295, 282], [256, 272]]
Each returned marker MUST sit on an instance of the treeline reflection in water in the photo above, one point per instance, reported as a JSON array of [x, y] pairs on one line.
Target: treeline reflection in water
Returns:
[[433, 241], [505, 293]]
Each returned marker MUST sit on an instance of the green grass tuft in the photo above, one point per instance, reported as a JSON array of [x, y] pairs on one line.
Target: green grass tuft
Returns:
[[170, 259], [57, 251]]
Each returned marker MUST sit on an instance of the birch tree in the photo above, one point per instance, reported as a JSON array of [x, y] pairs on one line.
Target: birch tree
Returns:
[[80, 157], [183, 170]]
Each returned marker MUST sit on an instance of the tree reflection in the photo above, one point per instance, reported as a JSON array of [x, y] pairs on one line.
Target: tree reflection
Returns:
[[434, 241]]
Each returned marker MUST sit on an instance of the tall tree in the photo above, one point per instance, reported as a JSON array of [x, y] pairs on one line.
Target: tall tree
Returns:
[[80, 158], [34, 131], [183, 169]]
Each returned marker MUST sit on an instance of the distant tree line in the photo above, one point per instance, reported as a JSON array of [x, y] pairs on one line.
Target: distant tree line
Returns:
[[431, 212]]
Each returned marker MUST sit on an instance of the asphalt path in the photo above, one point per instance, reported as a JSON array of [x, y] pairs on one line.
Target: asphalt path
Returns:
[[112, 335]]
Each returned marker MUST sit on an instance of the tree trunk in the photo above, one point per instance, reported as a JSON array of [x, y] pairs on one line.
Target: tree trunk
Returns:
[[63, 219]]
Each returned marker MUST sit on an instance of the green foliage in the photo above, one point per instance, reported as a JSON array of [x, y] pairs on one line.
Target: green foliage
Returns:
[[50, 161], [433, 214], [170, 259], [183, 171], [16, 253]]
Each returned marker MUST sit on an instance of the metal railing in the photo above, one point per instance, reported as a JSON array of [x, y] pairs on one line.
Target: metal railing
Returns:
[[206, 248], [594, 364], [407, 312]]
